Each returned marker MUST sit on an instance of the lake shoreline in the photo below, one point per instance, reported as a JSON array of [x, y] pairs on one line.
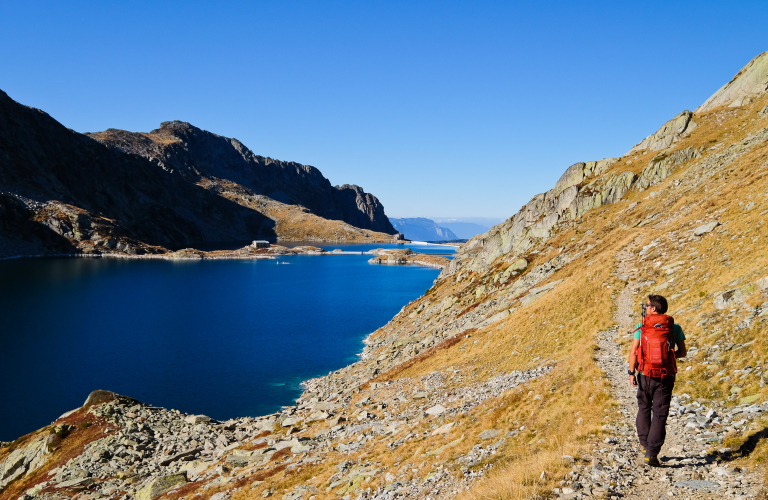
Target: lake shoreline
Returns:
[[407, 256]]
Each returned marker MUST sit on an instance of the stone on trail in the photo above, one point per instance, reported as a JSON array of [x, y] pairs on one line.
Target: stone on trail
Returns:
[[160, 485], [697, 484], [599, 492], [435, 410]]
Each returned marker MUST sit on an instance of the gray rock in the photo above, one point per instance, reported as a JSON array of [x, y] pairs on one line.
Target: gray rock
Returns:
[[762, 283], [669, 133], [22, 461], [662, 166], [489, 434], [435, 410], [518, 265], [98, 397], [160, 485], [697, 484], [748, 83], [181, 455], [706, 228], [728, 299], [197, 419]]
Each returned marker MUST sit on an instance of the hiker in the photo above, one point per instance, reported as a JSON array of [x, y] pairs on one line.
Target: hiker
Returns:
[[658, 341]]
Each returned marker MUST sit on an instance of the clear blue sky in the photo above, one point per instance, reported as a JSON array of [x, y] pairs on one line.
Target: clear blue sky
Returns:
[[450, 108]]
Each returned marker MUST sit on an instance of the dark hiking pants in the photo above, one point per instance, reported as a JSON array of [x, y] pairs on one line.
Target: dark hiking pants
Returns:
[[653, 397]]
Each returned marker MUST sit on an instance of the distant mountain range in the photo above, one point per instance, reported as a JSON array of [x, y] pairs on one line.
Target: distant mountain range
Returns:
[[467, 227], [443, 228], [421, 229]]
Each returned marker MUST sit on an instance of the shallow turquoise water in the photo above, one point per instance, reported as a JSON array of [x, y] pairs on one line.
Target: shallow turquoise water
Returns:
[[223, 338]]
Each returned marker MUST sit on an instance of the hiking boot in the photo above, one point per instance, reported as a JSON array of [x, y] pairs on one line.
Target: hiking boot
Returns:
[[651, 460], [641, 456]]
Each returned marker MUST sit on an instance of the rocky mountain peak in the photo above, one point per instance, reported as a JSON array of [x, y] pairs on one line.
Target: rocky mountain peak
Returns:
[[743, 88], [201, 156]]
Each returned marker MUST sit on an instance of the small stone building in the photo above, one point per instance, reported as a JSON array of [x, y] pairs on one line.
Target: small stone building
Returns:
[[260, 244]]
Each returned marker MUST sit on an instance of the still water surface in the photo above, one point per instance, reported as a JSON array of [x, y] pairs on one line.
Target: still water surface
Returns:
[[223, 338]]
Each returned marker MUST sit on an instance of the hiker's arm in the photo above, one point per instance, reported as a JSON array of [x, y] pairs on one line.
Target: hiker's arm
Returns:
[[681, 350], [633, 354]]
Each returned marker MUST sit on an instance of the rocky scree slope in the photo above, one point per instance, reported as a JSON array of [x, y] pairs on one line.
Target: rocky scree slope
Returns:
[[503, 379], [198, 155]]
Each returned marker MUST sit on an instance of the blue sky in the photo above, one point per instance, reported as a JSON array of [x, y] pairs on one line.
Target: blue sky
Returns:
[[438, 108]]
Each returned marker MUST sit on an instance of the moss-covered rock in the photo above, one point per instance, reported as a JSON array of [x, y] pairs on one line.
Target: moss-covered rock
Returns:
[[160, 485]]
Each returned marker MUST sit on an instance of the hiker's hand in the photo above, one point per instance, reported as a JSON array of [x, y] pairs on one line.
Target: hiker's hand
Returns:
[[633, 379]]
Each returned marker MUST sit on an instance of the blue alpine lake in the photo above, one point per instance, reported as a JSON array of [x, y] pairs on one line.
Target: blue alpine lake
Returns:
[[224, 338]]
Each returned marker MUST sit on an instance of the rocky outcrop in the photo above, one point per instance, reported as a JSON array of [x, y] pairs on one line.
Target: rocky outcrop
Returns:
[[743, 88], [406, 256], [567, 201], [669, 133], [662, 166], [195, 155], [23, 461]]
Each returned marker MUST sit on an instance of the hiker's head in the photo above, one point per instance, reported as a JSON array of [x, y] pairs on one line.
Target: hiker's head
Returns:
[[657, 303]]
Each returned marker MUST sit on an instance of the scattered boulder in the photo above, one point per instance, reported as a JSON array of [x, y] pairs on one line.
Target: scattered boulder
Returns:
[[518, 265], [443, 429], [160, 485], [762, 283], [706, 228], [728, 299], [435, 410], [489, 434], [197, 419], [97, 397]]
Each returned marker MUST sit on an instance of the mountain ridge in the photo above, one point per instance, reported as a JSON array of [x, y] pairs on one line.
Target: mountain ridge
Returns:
[[194, 154], [62, 192]]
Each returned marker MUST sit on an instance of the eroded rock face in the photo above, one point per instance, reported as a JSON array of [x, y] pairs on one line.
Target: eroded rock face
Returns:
[[662, 166], [748, 83], [567, 201], [669, 133], [23, 461]]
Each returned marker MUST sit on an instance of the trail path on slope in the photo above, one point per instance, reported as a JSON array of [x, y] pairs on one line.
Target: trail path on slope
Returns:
[[688, 470]]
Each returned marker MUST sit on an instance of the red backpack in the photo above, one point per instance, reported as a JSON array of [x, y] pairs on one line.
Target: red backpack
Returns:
[[655, 355]]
